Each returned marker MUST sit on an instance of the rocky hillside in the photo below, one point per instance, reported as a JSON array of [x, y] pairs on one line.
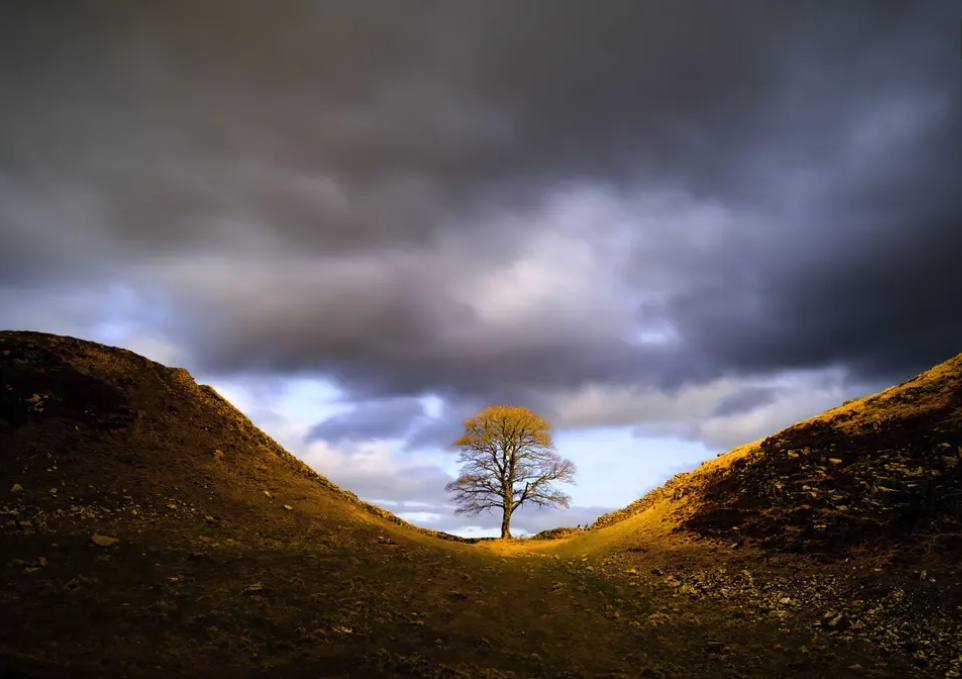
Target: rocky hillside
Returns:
[[878, 471], [78, 416], [881, 471]]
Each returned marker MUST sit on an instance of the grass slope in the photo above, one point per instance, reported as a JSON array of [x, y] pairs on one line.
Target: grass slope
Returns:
[[224, 554]]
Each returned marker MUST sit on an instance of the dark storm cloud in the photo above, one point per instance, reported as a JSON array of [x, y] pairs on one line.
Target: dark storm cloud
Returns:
[[744, 401], [875, 296], [171, 111], [385, 419], [442, 430], [311, 182]]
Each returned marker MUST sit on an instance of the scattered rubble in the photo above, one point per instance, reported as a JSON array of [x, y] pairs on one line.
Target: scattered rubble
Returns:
[[104, 541]]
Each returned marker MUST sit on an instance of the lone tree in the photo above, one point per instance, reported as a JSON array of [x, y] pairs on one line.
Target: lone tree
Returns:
[[508, 461]]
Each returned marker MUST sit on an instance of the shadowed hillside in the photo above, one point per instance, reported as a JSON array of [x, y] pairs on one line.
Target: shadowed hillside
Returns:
[[149, 529], [878, 471], [142, 415]]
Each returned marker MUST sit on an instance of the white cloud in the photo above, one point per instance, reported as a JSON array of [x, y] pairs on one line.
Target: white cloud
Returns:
[[605, 405], [421, 518], [479, 532], [376, 469]]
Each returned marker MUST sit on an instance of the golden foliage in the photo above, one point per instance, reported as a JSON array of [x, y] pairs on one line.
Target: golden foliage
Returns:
[[506, 426]]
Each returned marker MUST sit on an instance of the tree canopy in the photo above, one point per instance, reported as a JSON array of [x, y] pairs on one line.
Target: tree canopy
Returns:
[[507, 461]]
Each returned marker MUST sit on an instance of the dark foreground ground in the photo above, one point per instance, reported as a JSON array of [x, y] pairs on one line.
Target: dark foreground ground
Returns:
[[359, 604]]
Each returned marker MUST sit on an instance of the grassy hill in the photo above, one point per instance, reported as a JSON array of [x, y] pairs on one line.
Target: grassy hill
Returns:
[[149, 529]]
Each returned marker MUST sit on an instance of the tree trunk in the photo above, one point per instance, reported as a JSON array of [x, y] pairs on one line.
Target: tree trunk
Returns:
[[506, 524]]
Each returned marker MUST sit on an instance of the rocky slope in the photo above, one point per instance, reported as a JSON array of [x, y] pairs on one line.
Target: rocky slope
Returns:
[[880, 471]]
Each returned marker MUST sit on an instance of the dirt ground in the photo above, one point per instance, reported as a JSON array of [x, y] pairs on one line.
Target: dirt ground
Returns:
[[369, 601]]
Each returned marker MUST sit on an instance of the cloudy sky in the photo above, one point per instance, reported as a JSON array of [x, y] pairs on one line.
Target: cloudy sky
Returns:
[[670, 227]]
